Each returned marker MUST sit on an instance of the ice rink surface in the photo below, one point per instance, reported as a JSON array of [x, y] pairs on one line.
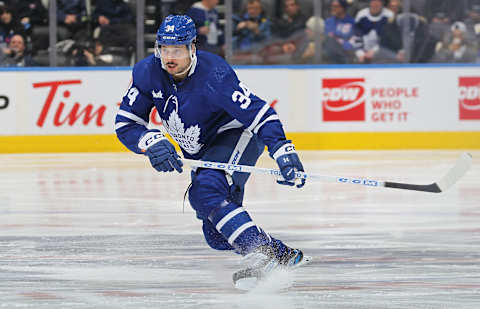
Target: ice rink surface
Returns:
[[107, 231]]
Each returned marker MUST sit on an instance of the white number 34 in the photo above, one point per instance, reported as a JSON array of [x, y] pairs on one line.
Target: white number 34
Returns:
[[132, 95], [243, 98]]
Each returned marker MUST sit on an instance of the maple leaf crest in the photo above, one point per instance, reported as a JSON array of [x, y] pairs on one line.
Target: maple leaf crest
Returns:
[[187, 140]]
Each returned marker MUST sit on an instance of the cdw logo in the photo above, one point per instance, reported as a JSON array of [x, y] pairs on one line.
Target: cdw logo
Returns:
[[343, 99], [469, 98], [78, 113]]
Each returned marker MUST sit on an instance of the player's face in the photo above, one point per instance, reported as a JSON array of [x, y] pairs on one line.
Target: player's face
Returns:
[[176, 58]]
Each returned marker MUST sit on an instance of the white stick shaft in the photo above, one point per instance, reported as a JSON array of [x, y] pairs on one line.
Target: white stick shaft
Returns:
[[276, 173], [452, 176]]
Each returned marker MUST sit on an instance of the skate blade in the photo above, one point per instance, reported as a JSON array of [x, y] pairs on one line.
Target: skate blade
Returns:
[[250, 283], [246, 284], [305, 260]]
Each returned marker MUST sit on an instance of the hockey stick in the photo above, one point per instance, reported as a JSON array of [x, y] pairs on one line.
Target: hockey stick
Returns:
[[453, 175]]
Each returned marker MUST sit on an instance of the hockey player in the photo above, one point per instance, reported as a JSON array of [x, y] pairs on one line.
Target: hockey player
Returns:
[[213, 117]]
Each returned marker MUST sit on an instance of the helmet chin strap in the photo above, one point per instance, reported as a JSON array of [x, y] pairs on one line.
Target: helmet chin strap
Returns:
[[193, 60]]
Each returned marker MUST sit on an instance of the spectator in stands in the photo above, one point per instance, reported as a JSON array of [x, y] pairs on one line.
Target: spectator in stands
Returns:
[[305, 51], [292, 21], [470, 4], [354, 6], [289, 32], [114, 23], [180, 7], [97, 54], [369, 24], [454, 9], [72, 19], [209, 34], [252, 28], [9, 25], [31, 13], [473, 20], [456, 47], [4, 3], [281, 51], [112, 12], [473, 27], [393, 48], [439, 25], [418, 7], [338, 34], [395, 6], [15, 54], [33, 16]]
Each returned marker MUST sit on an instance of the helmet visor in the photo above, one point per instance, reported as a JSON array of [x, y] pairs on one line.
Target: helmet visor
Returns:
[[171, 51]]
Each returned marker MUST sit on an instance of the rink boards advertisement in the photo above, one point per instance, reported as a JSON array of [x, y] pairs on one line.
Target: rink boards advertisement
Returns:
[[385, 107]]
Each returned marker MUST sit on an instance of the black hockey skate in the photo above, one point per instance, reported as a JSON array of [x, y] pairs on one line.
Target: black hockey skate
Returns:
[[263, 261]]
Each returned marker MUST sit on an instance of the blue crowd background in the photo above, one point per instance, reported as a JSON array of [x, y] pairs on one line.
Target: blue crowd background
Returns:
[[104, 32]]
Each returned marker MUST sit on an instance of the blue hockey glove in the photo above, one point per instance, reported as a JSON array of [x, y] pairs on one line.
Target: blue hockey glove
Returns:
[[160, 151], [288, 162]]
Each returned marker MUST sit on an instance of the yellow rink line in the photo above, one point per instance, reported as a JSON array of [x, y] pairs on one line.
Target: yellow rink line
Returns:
[[386, 140], [302, 141]]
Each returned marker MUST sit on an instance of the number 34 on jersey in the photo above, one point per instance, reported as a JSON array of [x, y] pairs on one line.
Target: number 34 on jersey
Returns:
[[243, 98]]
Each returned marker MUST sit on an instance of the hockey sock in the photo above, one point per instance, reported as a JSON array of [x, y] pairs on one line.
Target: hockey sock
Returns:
[[236, 225]]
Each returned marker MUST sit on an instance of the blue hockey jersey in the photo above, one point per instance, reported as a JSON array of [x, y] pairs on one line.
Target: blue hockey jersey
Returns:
[[369, 27], [194, 111], [341, 29]]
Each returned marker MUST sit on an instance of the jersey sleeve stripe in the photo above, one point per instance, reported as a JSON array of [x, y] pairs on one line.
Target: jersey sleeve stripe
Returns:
[[258, 117], [119, 125], [270, 118], [133, 117]]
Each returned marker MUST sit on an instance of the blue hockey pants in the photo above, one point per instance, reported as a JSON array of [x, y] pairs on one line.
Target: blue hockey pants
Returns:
[[217, 197]]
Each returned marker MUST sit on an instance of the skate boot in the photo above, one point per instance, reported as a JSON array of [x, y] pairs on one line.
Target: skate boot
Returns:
[[263, 261]]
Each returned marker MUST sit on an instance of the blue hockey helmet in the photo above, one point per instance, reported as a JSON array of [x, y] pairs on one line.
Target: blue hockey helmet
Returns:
[[176, 30]]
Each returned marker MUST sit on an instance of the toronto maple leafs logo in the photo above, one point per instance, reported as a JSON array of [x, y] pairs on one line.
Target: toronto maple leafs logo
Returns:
[[186, 139]]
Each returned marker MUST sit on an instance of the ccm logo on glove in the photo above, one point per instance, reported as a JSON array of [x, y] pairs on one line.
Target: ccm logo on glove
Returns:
[[284, 150], [149, 139], [288, 162], [160, 152]]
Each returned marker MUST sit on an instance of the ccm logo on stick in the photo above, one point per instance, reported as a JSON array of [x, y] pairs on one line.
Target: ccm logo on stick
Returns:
[[4, 102], [365, 182], [223, 166]]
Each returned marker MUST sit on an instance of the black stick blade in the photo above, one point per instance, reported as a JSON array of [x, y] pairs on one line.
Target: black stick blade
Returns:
[[453, 175], [434, 188]]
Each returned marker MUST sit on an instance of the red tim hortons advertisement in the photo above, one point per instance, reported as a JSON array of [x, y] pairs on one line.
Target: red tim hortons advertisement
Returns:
[[343, 99], [469, 98]]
